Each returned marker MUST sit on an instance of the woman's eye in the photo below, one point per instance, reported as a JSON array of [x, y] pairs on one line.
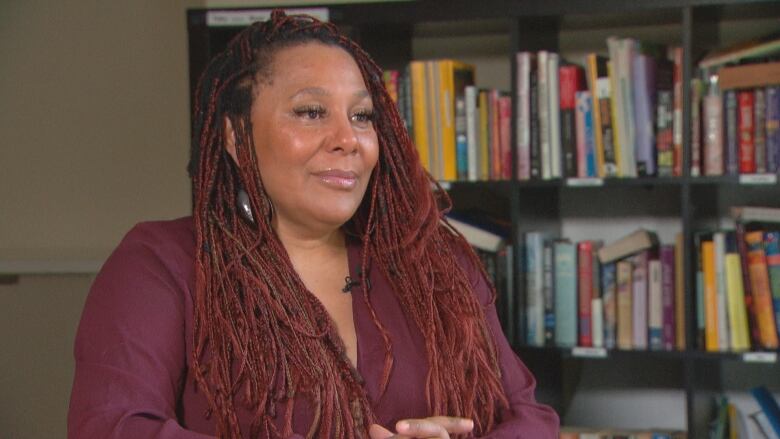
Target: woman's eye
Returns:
[[311, 113], [363, 116]]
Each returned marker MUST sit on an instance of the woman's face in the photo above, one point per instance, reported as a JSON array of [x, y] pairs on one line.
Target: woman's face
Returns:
[[313, 134]]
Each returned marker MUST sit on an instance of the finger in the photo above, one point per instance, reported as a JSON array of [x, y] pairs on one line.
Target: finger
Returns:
[[421, 428], [453, 424], [376, 431]]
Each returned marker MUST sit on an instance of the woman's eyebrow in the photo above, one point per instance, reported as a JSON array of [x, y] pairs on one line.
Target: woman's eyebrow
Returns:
[[319, 91]]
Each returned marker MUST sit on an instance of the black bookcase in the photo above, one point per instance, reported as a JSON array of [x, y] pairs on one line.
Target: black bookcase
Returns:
[[387, 30]]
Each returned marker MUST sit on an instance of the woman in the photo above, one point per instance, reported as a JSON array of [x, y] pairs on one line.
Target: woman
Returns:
[[315, 291]]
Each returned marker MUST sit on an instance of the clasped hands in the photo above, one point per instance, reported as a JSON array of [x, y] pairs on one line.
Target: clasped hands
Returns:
[[439, 427]]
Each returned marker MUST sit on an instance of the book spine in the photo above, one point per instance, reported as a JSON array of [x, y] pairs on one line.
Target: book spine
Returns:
[[664, 139], [590, 140], [769, 406], [772, 249], [523, 60], [679, 293], [710, 295], [762, 296], [759, 129], [604, 102], [713, 135], [609, 303], [461, 139], [719, 241], [742, 248], [747, 154], [543, 79], [773, 128], [484, 135], [585, 292], [535, 141], [554, 108], [549, 294], [420, 112], [570, 78], [505, 129], [655, 309], [644, 113], [668, 297], [579, 129], [597, 311], [740, 340], [677, 56], [496, 152], [625, 338], [472, 133], [731, 129], [696, 127], [565, 294], [639, 279], [534, 248]]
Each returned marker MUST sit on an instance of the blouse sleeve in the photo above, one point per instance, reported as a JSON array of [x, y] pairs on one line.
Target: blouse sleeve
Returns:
[[130, 346], [525, 417]]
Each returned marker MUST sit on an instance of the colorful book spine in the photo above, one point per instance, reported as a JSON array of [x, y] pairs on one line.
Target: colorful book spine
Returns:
[[543, 116], [472, 132], [679, 293], [534, 246], [535, 141], [565, 256], [762, 296], [639, 299], [773, 128], [747, 153], [664, 138], [669, 334], [609, 304], [772, 248], [740, 338], [607, 131], [759, 129], [696, 127], [585, 292], [570, 78], [625, 337], [505, 138], [731, 130], [523, 117], [554, 116], [484, 135], [677, 57], [582, 107], [549, 294], [742, 248], [719, 241], [420, 113], [769, 406], [644, 92]]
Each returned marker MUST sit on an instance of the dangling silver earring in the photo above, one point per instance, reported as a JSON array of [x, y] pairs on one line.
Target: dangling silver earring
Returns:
[[242, 199]]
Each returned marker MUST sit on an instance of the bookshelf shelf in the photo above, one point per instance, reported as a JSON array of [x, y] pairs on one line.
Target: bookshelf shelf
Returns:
[[686, 203]]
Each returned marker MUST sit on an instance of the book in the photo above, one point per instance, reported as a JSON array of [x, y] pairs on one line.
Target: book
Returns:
[[548, 293], [773, 128], [535, 301], [738, 323], [679, 293], [524, 61], [633, 243], [719, 242], [554, 116], [609, 304], [571, 80], [711, 324], [668, 317], [644, 92], [565, 268], [655, 305], [639, 299], [759, 284], [677, 125], [758, 47], [696, 126], [713, 134], [476, 236], [664, 141], [759, 129], [598, 84], [747, 152], [472, 131], [543, 112], [768, 405], [772, 249], [585, 292], [742, 248], [754, 75], [731, 133], [759, 214], [583, 122], [420, 112], [625, 336]]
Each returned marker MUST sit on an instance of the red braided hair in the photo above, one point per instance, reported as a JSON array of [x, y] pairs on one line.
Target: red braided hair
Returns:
[[260, 338]]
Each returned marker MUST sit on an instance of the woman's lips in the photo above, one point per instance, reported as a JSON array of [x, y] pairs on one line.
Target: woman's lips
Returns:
[[337, 178]]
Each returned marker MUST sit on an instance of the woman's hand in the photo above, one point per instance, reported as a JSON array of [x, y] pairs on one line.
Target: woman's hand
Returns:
[[435, 427]]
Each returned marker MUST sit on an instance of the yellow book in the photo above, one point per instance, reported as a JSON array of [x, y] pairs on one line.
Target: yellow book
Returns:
[[432, 79], [420, 113], [710, 296], [453, 78], [484, 139], [625, 332], [593, 76], [679, 293], [613, 106], [735, 292]]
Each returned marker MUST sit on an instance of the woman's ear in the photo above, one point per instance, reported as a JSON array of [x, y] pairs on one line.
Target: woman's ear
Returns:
[[230, 140]]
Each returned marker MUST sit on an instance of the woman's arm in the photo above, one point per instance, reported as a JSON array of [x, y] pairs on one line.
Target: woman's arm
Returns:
[[130, 346]]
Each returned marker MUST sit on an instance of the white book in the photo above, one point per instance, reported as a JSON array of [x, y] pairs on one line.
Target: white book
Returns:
[[719, 242], [628, 49], [472, 132], [524, 60], [477, 237], [554, 109], [534, 247], [544, 112]]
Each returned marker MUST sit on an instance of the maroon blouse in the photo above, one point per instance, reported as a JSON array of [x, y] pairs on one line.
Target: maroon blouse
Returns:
[[135, 338]]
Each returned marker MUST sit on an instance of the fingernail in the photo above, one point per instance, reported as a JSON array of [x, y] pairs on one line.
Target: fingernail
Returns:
[[467, 423], [403, 425]]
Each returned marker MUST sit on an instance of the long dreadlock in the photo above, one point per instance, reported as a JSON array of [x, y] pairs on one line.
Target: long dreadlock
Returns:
[[260, 338]]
